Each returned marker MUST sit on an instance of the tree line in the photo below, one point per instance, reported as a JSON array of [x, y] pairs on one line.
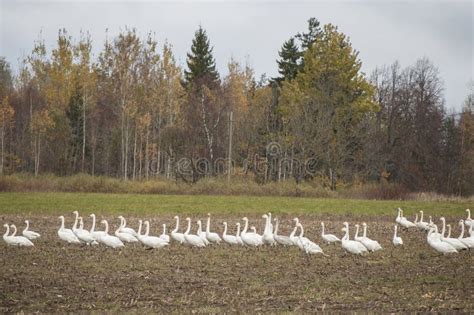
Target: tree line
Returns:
[[133, 112]]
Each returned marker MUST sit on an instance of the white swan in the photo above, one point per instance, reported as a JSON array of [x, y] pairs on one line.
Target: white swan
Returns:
[[76, 221], [329, 238], [422, 224], [371, 244], [178, 237], [250, 239], [211, 236], [110, 240], [229, 239], [281, 239], [351, 246], [20, 240], [95, 234], [201, 233], [83, 235], [165, 237], [404, 221], [7, 238], [191, 239], [67, 234], [397, 240], [124, 236], [469, 221], [437, 244], [124, 228], [29, 234], [308, 246], [237, 235], [468, 241], [149, 241], [454, 242], [267, 237]]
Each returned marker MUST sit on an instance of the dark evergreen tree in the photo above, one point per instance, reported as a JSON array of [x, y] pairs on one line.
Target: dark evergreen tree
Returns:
[[314, 31], [201, 63], [289, 63]]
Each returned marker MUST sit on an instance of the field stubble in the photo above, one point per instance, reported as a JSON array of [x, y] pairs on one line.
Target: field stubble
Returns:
[[56, 277]]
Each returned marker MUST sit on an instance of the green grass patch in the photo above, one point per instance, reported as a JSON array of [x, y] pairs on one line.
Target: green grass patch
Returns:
[[57, 202]]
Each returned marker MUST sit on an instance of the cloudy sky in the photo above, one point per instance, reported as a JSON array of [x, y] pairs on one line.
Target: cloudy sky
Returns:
[[382, 31]]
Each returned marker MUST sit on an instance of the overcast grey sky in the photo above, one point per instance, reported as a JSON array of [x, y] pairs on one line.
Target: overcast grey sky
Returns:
[[382, 31]]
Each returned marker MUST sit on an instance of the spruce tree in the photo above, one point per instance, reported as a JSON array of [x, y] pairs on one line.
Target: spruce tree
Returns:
[[201, 63], [289, 63]]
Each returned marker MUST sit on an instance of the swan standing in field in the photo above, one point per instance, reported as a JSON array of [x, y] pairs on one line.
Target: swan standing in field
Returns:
[[67, 234], [178, 237], [229, 239], [95, 234], [454, 242], [468, 241], [76, 221], [165, 237], [404, 221], [397, 240], [267, 237], [191, 239], [281, 239], [110, 240], [124, 236], [124, 228], [9, 239], [250, 239], [351, 246], [372, 244], [83, 235], [29, 234], [422, 224], [237, 235], [437, 244], [201, 233], [211, 236], [20, 240], [329, 238], [150, 241], [308, 246]]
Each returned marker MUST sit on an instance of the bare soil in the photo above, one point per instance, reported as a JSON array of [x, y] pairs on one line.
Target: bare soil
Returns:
[[57, 277]]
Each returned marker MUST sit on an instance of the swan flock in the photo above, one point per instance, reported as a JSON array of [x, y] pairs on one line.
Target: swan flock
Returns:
[[246, 235]]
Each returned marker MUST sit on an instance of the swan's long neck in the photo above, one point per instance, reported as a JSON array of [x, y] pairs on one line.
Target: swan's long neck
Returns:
[[199, 227], [27, 226], [124, 222], [292, 234], [449, 231], [14, 230], [225, 229], [462, 231], [346, 237], [62, 223], [276, 228], [267, 225], [189, 227], [208, 227], [106, 227], [365, 230], [421, 216], [177, 225], [246, 226], [238, 230], [468, 214], [147, 227], [93, 223], [416, 218], [322, 228], [81, 224], [75, 221], [302, 230], [140, 223], [357, 232], [444, 228], [164, 229], [7, 231], [395, 232]]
